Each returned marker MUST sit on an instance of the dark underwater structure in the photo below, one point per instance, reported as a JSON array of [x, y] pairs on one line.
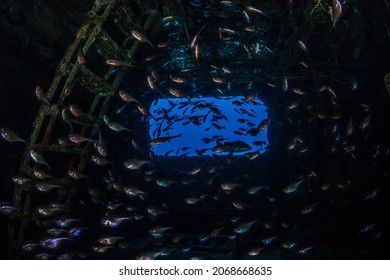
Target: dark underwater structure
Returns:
[[79, 176]]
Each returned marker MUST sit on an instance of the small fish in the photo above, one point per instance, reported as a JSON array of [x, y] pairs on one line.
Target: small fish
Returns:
[[239, 133], [101, 146], [143, 110], [303, 251], [65, 117], [303, 46], [167, 18], [114, 126], [75, 231], [48, 211], [11, 135], [81, 57], [244, 227], [365, 123], [64, 222], [289, 245], [161, 140], [18, 180], [73, 173], [158, 231], [298, 91], [371, 195], [193, 171], [250, 96], [273, 53], [218, 80], [135, 163], [153, 254], [113, 221], [367, 228], [246, 17], [216, 232], [56, 232], [125, 96], [109, 239], [8, 210], [155, 211], [193, 200], [349, 129], [41, 95], [41, 175], [226, 3], [78, 138], [29, 247], [193, 42], [263, 125], [38, 158], [239, 205], [304, 64], [101, 248], [68, 90], [257, 11], [285, 85], [196, 52], [46, 186], [292, 187], [269, 240], [140, 37], [177, 93], [115, 62], [309, 208], [151, 83], [226, 30], [228, 186], [164, 182], [100, 160], [256, 189], [337, 11], [178, 80], [52, 243], [76, 111], [43, 256], [134, 192], [255, 251]]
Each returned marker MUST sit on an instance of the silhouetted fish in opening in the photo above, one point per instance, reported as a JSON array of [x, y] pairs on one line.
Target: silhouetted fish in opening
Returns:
[[237, 146]]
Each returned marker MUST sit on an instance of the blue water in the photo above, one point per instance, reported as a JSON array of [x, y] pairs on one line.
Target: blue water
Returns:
[[192, 134]]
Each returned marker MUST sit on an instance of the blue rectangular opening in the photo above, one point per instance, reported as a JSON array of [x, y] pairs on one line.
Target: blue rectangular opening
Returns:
[[201, 126]]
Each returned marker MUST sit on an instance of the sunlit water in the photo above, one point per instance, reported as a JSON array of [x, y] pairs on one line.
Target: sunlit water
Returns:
[[192, 134]]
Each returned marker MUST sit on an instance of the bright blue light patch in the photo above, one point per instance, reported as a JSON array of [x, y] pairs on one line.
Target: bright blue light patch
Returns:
[[193, 120]]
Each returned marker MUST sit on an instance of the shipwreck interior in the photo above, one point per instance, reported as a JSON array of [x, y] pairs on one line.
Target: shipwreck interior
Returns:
[[288, 98]]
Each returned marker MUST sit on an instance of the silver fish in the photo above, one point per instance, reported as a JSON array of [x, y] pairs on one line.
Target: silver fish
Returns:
[[38, 158], [140, 37], [244, 227], [135, 163], [337, 11], [52, 243], [46, 186], [292, 187], [11, 135]]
